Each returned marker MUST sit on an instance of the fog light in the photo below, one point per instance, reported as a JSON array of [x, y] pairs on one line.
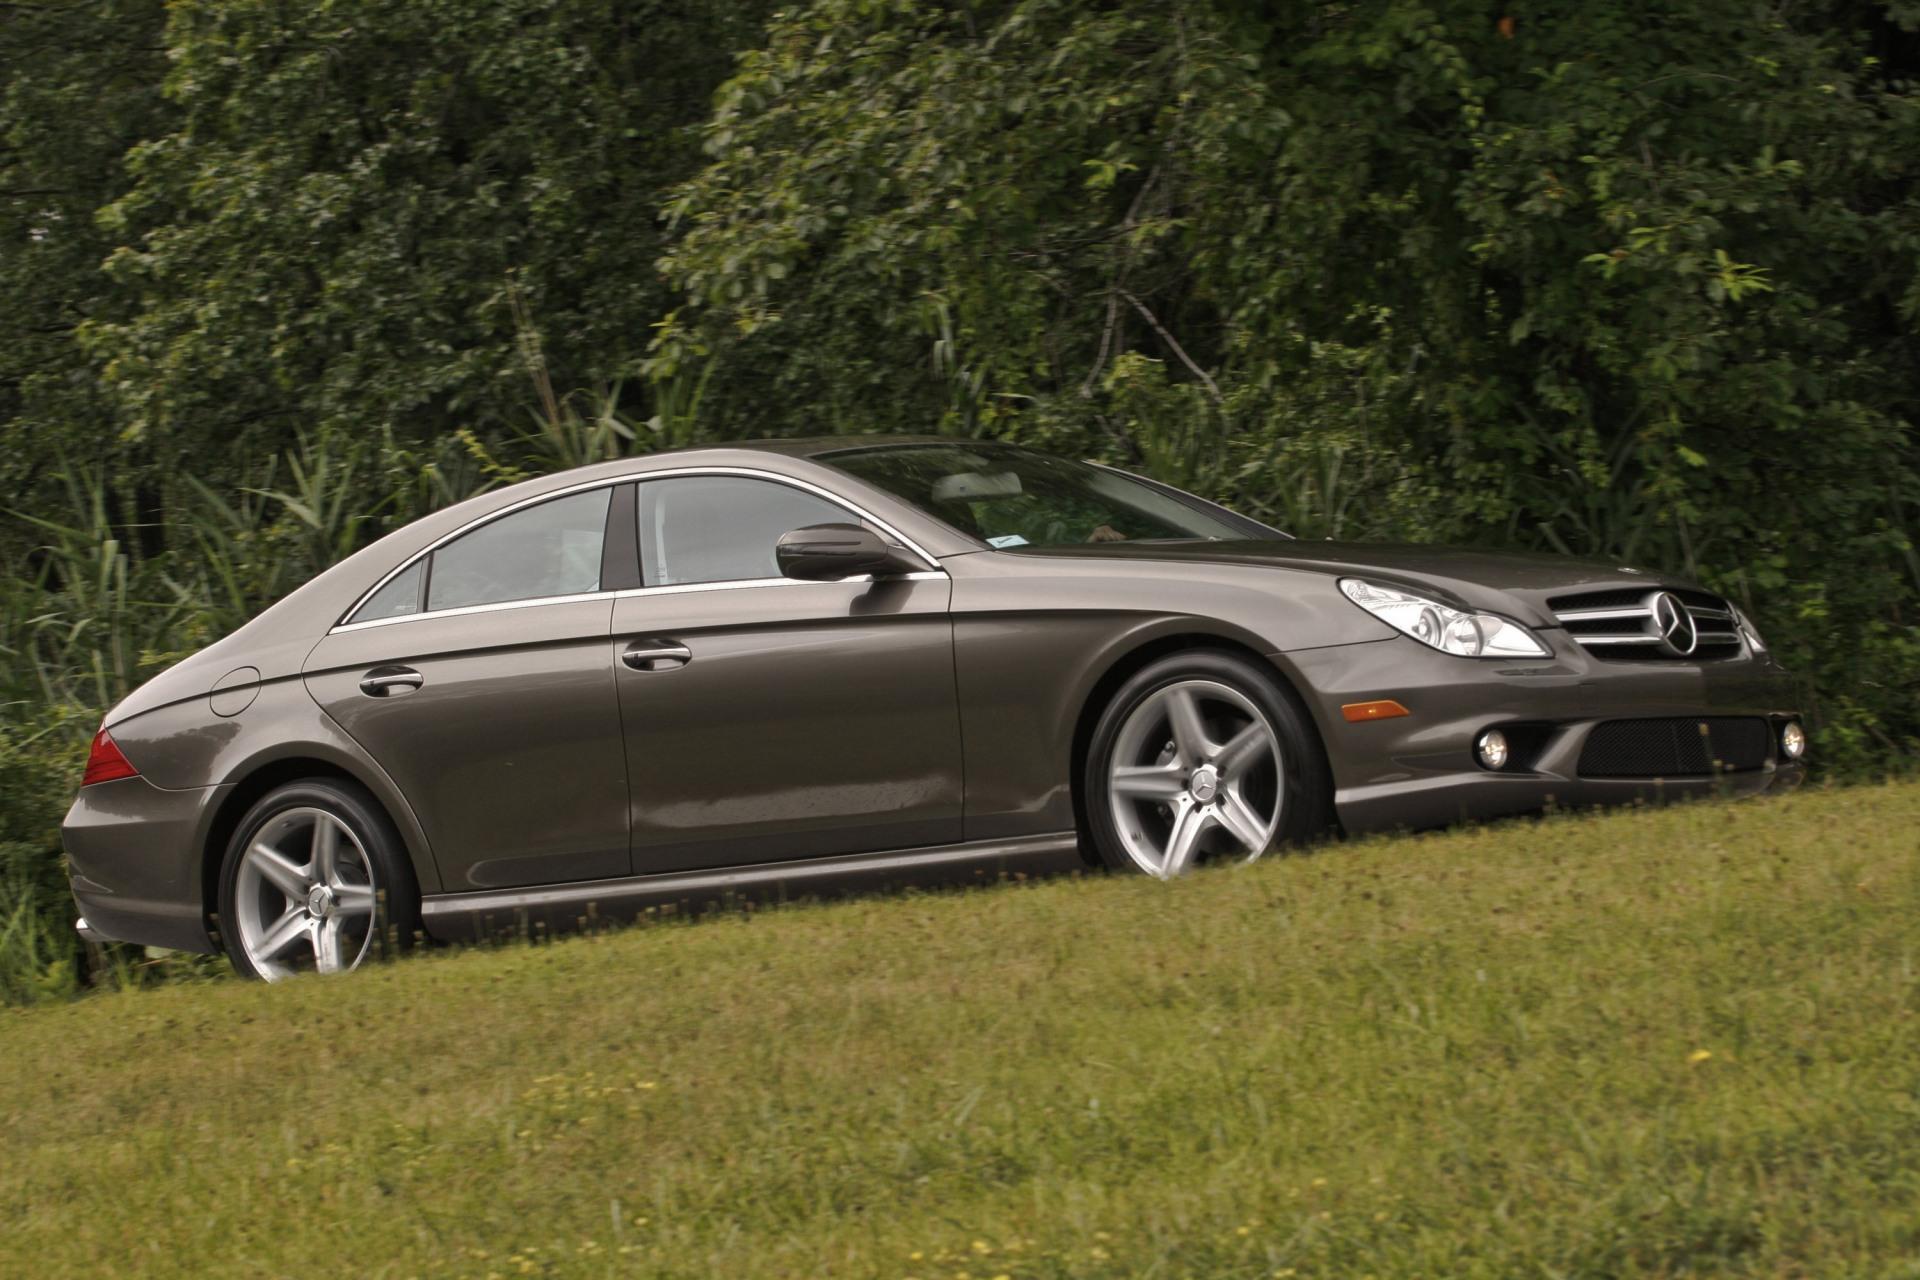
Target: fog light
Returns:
[[1491, 748], [1793, 740]]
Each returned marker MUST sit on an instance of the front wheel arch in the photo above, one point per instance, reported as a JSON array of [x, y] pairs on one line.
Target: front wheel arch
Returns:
[[1131, 663]]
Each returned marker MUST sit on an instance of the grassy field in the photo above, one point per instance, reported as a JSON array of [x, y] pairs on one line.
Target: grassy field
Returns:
[[1675, 1043]]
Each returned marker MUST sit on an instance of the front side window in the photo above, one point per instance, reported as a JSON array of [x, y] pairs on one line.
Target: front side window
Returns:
[[722, 528], [552, 549]]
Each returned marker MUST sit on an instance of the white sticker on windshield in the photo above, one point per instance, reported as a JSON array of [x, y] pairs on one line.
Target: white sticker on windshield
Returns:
[[1007, 540]]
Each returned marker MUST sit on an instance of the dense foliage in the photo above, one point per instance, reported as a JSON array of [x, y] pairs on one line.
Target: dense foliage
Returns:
[[1626, 280], [1638, 281]]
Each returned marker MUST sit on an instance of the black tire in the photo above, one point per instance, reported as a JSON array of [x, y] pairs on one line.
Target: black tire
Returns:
[[395, 917], [1303, 781]]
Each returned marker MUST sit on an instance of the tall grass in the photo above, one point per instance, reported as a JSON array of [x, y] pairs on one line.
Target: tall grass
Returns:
[[33, 963]]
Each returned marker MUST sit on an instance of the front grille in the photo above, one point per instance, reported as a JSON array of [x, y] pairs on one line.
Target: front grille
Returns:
[[1676, 748], [1624, 626]]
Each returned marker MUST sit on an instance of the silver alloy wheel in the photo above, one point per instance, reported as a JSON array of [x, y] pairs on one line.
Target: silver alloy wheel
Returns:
[[1196, 771], [304, 896]]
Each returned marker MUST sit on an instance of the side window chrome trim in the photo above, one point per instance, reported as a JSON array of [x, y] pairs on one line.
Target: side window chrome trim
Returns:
[[925, 575], [639, 477], [684, 588], [464, 610]]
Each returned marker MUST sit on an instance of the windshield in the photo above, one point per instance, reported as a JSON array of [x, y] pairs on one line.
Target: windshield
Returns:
[[1009, 497]]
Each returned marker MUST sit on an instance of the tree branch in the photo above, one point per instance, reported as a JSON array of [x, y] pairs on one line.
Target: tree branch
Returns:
[[1106, 344], [1107, 334], [1173, 344]]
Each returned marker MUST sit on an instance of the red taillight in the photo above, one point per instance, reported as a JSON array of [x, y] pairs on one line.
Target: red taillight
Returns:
[[105, 763]]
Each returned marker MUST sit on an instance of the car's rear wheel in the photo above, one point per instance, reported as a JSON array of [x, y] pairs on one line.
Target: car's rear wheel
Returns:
[[315, 880], [1202, 757]]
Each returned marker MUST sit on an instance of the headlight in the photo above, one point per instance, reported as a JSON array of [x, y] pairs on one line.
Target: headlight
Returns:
[[1747, 629], [1470, 635]]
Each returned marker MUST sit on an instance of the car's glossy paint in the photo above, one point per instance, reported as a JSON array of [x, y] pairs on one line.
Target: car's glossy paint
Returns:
[[510, 752], [813, 718], [825, 733]]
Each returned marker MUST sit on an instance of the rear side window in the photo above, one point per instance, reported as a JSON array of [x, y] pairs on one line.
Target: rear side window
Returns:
[[548, 550], [722, 528], [400, 597]]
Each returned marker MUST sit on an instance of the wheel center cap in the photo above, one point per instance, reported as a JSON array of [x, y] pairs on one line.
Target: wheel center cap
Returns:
[[1204, 784], [320, 902]]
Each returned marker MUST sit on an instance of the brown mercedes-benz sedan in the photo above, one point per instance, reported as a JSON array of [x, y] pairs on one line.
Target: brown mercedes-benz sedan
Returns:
[[802, 665]]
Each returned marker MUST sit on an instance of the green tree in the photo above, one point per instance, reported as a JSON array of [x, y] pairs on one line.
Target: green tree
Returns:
[[336, 232], [1627, 281], [79, 86]]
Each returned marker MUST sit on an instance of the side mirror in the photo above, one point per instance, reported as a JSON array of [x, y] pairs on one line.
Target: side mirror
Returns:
[[827, 552]]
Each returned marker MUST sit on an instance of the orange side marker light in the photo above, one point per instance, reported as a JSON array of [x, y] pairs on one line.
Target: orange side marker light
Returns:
[[1380, 709]]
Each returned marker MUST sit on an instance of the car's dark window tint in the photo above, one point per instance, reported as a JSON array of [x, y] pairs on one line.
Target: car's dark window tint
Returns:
[[552, 549], [1010, 498], [722, 528], [400, 597]]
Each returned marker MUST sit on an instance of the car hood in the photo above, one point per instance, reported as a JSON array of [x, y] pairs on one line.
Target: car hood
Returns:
[[1515, 583]]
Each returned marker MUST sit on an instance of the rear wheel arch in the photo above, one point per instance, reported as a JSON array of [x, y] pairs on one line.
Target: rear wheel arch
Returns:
[[249, 789], [1124, 667]]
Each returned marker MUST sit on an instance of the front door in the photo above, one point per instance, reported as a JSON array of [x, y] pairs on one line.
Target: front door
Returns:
[[768, 719]]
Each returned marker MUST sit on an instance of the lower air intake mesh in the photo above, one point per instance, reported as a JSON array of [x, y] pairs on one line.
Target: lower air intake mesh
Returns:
[[1678, 747]]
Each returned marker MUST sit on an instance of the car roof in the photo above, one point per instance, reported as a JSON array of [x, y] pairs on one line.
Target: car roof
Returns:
[[819, 446]]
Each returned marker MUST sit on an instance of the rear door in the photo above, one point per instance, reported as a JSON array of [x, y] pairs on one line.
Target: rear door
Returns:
[[481, 680], [769, 719]]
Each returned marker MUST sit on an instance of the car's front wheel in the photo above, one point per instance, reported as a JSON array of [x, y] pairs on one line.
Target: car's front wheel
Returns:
[[1202, 757], [315, 880]]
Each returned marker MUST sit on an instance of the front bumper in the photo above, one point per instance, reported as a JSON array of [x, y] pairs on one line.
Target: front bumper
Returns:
[[1419, 770], [133, 857]]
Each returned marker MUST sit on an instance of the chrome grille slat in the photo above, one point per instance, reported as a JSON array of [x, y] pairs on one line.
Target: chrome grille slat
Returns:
[[1597, 615], [1621, 625]]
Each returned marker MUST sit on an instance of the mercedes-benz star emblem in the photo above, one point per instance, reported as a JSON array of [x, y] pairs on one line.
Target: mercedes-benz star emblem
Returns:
[[1674, 623]]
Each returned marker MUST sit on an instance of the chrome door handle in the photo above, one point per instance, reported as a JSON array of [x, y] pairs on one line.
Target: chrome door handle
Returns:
[[656, 655], [391, 682]]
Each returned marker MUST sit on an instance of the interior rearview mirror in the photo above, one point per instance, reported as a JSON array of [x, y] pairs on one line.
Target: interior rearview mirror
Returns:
[[826, 552], [969, 485]]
